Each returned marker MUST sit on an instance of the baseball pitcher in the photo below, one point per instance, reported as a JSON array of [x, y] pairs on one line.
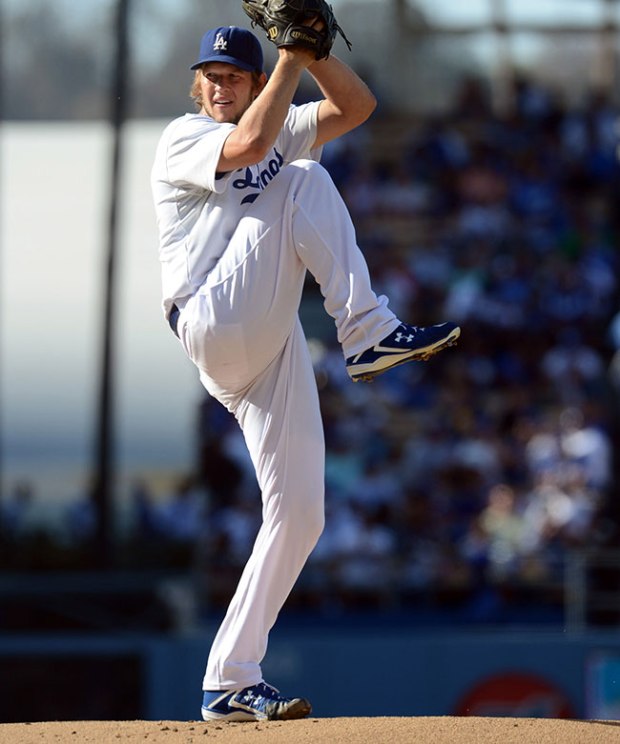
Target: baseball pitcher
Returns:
[[244, 210]]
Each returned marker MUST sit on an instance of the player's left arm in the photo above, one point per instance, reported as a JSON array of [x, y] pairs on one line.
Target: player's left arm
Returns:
[[348, 101]]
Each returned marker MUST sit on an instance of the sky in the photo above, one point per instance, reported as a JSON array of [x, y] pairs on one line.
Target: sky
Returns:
[[53, 204]]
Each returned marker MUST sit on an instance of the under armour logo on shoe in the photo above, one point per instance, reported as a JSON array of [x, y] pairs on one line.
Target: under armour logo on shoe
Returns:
[[220, 43], [401, 337]]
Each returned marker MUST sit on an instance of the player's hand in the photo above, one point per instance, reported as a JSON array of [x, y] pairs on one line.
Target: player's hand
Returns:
[[318, 24], [297, 53]]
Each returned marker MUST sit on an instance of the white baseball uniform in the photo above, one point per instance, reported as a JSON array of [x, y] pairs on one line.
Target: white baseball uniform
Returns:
[[234, 250]]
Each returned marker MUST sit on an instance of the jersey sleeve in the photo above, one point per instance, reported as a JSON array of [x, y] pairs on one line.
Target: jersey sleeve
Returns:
[[190, 152], [299, 133]]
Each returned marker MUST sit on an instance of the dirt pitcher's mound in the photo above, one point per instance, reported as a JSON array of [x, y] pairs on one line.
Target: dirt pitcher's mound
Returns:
[[421, 730]]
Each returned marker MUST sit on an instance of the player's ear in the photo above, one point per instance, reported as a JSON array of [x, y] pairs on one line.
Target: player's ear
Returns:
[[261, 81]]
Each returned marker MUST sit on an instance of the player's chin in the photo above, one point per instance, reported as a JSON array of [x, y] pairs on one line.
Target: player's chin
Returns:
[[227, 118], [223, 114]]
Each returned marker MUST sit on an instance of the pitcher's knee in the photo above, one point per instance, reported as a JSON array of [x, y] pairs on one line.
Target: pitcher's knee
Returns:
[[304, 173], [316, 170], [301, 175]]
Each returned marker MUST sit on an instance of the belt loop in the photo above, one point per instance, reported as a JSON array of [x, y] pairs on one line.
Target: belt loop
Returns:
[[173, 319]]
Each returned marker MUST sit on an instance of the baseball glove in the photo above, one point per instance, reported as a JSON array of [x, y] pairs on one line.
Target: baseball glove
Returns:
[[283, 21]]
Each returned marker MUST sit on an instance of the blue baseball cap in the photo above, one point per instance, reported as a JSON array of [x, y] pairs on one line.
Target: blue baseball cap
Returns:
[[233, 45]]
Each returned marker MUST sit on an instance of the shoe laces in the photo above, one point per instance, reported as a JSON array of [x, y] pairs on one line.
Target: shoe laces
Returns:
[[262, 691], [271, 691]]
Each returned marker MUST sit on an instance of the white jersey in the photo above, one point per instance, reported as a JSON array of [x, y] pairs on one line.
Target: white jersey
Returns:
[[235, 251], [197, 208]]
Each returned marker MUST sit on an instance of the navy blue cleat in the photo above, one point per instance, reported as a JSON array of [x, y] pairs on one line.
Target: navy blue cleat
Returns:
[[257, 703], [406, 344]]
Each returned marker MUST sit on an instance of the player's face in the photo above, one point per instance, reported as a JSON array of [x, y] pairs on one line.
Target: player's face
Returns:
[[227, 91]]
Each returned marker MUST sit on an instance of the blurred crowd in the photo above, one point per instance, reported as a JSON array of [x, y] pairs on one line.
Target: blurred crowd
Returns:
[[465, 483], [472, 478]]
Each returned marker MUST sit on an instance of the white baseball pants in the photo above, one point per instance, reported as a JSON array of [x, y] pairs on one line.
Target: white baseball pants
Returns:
[[243, 333]]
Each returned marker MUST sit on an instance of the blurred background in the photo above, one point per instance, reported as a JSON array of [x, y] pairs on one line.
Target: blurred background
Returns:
[[471, 553]]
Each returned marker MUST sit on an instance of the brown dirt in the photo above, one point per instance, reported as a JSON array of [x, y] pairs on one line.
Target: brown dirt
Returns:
[[418, 730]]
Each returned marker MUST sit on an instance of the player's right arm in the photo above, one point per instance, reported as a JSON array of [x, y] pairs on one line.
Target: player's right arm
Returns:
[[259, 126]]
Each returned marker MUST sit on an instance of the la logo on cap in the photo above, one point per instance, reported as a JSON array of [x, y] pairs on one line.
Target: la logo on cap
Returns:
[[220, 42]]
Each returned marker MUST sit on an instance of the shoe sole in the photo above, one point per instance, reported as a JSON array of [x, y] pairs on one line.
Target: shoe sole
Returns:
[[299, 708], [370, 371], [236, 716]]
